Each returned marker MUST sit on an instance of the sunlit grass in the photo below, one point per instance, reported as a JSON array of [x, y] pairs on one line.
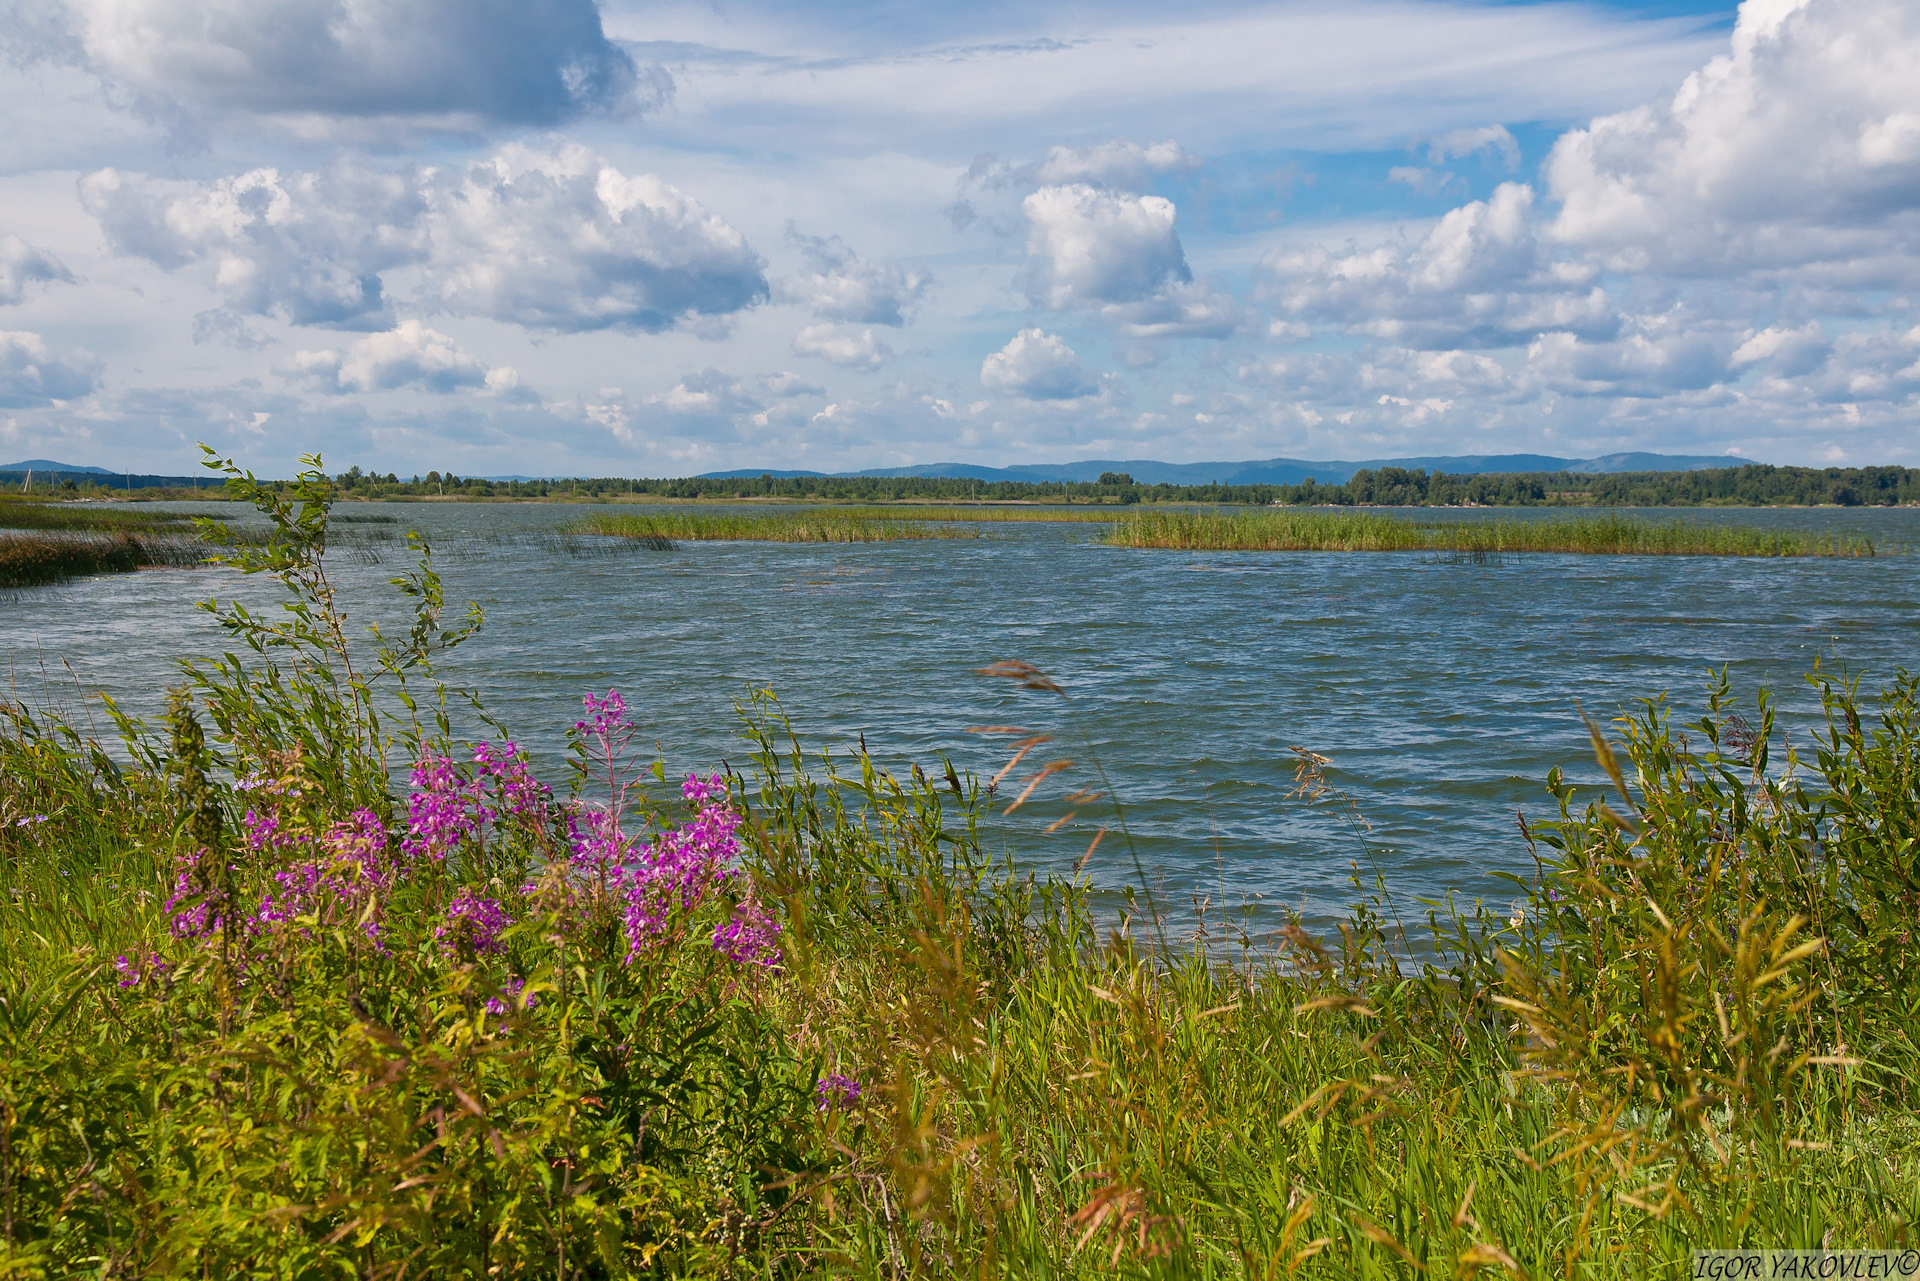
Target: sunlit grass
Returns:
[[826, 525], [26, 513], [1371, 532]]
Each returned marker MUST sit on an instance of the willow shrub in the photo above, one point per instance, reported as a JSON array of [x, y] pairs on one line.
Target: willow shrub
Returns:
[[266, 1013]]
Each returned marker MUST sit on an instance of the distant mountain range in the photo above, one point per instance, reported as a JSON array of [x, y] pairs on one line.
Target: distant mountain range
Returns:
[[41, 464], [1276, 471]]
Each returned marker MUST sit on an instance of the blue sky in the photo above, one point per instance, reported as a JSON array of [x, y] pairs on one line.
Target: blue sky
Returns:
[[547, 237]]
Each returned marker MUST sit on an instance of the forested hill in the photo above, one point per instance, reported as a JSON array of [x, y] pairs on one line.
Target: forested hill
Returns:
[[1754, 485]]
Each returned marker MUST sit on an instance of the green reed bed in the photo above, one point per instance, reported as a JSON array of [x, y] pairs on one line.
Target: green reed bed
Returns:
[[275, 1004], [19, 513], [811, 526], [28, 560], [1372, 532]]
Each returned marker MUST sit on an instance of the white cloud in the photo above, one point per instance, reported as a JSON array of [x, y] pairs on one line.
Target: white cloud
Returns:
[[564, 241], [1481, 277], [307, 247], [1119, 164], [845, 346], [21, 265], [1091, 247], [1457, 144], [1036, 365], [442, 62], [1798, 149], [31, 374], [557, 241], [838, 284], [1188, 309], [410, 356]]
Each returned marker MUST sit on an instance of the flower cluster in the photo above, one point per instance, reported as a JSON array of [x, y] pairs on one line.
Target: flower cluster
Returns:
[[836, 1091], [686, 864], [348, 877], [447, 806], [145, 964], [473, 926], [198, 899], [511, 990]]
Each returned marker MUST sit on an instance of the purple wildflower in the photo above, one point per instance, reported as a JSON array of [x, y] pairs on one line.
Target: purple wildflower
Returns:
[[750, 937], [443, 810], [677, 871], [144, 965], [836, 1091], [511, 990], [473, 926], [520, 793], [194, 906], [349, 878]]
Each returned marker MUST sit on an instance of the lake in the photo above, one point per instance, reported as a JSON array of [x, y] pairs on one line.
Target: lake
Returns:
[[1442, 690]]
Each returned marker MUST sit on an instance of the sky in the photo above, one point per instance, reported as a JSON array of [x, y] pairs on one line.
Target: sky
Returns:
[[547, 237]]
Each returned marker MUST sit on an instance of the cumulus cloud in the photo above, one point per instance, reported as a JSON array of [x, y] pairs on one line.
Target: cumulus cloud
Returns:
[[723, 400], [1798, 149], [22, 265], [1120, 164], [557, 241], [1036, 365], [566, 242], [407, 356], [32, 375], [838, 284], [1090, 247], [1480, 278], [307, 247], [845, 346], [453, 62]]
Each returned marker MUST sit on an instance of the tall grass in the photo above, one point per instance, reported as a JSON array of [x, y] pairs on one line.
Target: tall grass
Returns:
[[20, 513], [28, 560], [824, 525], [1371, 532], [266, 1012]]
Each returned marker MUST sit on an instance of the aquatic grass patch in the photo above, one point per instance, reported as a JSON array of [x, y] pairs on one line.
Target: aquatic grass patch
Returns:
[[28, 560], [1374, 532], [23, 513], [809, 526], [1268, 531]]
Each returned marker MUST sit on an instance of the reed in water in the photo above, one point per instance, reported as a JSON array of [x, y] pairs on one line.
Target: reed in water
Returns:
[[1375, 532]]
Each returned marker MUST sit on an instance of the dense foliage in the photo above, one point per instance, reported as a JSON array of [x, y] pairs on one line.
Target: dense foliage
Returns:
[[308, 989]]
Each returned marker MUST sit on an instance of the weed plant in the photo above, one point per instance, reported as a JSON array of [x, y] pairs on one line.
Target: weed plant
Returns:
[[1370, 532], [308, 989]]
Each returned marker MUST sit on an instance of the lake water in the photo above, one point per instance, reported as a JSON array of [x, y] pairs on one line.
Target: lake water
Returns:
[[1442, 691]]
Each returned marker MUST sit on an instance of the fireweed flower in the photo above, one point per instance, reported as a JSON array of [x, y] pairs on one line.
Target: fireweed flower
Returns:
[[143, 966], [686, 864], [349, 878], [473, 926], [195, 906], [511, 990], [443, 810], [836, 1091], [751, 937]]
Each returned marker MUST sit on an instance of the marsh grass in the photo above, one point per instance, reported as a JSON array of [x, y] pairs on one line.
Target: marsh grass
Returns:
[[822, 525], [28, 560], [1372, 532], [21, 513]]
